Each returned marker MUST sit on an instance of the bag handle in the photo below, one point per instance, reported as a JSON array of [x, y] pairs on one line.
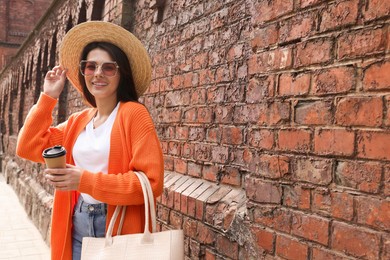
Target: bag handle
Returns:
[[149, 205]]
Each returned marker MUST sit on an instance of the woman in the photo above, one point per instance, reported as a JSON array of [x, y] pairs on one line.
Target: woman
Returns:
[[104, 144]]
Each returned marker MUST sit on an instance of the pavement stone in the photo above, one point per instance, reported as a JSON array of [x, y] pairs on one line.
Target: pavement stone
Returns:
[[19, 238]]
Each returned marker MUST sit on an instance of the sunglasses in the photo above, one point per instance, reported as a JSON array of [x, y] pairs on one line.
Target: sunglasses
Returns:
[[88, 68]]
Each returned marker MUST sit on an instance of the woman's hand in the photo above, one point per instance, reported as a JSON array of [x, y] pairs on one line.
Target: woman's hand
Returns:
[[64, 178], [54, 82]]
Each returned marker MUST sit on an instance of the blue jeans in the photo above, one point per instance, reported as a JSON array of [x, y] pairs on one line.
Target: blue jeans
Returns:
[[89, 220]]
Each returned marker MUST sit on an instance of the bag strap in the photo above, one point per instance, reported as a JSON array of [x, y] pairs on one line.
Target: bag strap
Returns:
[[149, 205]]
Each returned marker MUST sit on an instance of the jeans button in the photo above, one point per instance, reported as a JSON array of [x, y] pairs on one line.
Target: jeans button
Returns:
[[91, 208]]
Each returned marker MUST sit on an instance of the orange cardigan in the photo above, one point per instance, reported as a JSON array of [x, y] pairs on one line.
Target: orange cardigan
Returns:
[[134, 146]]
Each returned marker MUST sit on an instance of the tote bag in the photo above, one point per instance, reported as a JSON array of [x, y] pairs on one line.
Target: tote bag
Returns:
[[148, 245]]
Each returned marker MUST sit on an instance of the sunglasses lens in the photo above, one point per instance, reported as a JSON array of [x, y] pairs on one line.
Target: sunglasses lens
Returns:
[[109, 69], [88, 68]]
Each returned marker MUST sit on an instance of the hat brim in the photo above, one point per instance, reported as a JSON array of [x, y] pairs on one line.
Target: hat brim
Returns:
[[98, 31]]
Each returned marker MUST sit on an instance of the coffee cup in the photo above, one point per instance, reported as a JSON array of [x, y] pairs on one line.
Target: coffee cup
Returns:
[[55, 157]]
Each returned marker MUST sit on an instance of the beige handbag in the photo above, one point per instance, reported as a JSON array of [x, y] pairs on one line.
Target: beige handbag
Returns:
[[156, 245]]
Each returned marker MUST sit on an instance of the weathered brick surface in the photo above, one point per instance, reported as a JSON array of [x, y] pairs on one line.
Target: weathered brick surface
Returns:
[[273, 118]]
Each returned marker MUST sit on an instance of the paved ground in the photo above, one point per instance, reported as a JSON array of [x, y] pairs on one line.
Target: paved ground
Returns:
[[19, 238]]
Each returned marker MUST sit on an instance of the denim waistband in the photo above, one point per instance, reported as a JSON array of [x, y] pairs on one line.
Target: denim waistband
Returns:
[[95, 209]]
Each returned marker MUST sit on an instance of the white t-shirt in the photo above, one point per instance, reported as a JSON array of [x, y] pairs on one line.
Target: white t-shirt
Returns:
[[92, 149]]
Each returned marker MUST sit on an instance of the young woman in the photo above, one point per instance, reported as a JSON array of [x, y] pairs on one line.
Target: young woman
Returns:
[[105, 144]]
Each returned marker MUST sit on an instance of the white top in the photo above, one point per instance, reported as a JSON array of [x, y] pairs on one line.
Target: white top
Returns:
[[92, 149]]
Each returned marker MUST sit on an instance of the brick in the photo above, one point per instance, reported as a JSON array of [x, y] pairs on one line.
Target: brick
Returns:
[[264, 239], [168, 163], [260, 88], [365, 243], [181, 133], [275, 113], [209, 255], [223, 74], [203, 152], [313, 112], [174, 148], [194, 169], [219, 154], [294, 84], [310, 227], [374, 145], [205, 234], [296, 140], [322, 201], [263, 11], [375, 9], [360, 43], [386, 181], [363, 176], [177, 196], [376, 77], [290, 248], [342, 205], [189, 227], [340, 14], [194, 248], [224, 114], [264, 37], [215, 95], [274, 218], [243, 157], [322, 254], [313, 52], [273, 166], [296, 197], [200, 60], [359, 111], [263, 192], [198, 97], [317, 171], [386, 246], [231, 176], [273, 60], [171, 115], [211, 173], [248, 113], [297, 27], [214, 135], [373, 212], [226, 247], [334, 141], [205, 115], [232, 135], [206, 76], [333, 81], [175, 219], [261, 138], [306, 3], [180, 165], [187, 150], [200, 203], [387, 105], [235, 53]]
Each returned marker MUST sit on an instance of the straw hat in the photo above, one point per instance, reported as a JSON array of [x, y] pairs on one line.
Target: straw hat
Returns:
[[97, 31]]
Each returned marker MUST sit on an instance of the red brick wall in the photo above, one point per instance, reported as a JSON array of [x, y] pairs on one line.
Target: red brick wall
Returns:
[[288, 101], [273, 118]]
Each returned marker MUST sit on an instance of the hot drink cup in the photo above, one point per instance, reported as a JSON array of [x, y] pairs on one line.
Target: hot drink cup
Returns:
[[55, 157]]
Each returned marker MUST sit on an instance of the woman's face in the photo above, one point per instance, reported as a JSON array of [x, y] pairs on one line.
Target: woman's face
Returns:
[[101, 75]]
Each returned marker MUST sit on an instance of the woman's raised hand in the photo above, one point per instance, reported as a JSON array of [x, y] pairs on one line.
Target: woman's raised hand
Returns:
[[54, 82]]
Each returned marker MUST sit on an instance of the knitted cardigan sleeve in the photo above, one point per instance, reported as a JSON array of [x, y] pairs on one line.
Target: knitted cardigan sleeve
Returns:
[[37, 133]]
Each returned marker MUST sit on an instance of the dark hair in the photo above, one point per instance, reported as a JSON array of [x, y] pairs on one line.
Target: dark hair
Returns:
[[126, 88]]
